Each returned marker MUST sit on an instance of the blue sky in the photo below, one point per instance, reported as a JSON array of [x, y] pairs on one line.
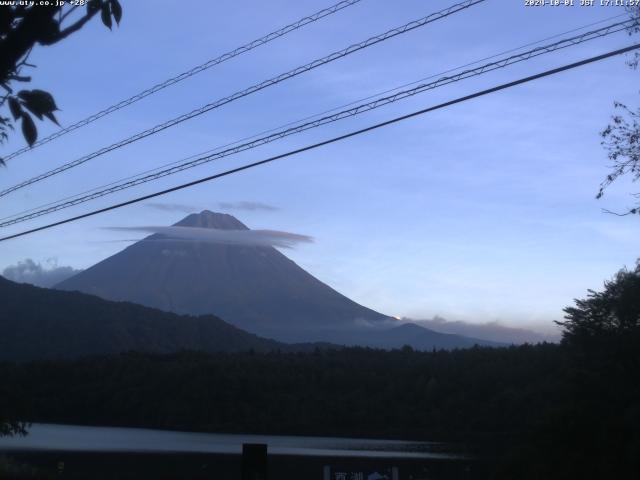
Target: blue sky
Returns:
[[483, 211]]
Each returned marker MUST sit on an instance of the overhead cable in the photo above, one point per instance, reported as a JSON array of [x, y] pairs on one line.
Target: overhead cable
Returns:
[[248, 91], [356, 110], [187, 74], [488, 91]]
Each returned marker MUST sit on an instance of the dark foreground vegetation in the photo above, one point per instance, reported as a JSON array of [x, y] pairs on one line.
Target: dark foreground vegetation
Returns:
[[201, 466], [537, 412], [373, 393], [545, 411]]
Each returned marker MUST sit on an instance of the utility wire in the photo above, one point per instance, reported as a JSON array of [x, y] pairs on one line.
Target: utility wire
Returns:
[[316, 115], [255, 88], [481, 93], [288, 124], [365, 107], [189, 73]]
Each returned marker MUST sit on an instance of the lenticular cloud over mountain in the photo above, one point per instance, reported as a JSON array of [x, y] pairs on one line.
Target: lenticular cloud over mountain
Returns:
[[212, 262], [257, 238]]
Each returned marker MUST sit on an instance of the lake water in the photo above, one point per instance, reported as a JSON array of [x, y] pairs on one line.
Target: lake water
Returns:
[[74, 438]]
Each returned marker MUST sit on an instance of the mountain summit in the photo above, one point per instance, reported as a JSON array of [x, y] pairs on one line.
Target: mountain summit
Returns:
[[256, 288], [209, 219]]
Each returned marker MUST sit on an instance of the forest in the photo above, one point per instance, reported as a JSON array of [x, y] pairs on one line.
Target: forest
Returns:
[[565, 407]]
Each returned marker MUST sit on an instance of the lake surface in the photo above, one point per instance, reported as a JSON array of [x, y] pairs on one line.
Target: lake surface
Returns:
[[74, 438]]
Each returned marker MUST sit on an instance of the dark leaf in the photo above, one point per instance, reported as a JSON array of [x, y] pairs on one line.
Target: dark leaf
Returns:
[[52, 117], [2, 162], [14, 106], [38, 100], [116, 9], [29, 129], [35, 112], [106, 15], [39, 103]]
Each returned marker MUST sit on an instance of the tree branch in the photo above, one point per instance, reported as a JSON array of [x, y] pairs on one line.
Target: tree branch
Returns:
[[65, 15], [75, 26], [630, 212]]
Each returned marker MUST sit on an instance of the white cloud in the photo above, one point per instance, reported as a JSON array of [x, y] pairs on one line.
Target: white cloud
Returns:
[[263, 238], [172, 207], [29, 271], [246, 205]]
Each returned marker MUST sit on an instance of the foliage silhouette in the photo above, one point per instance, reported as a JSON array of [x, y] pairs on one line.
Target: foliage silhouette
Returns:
[[614, 311], [22, 27], [621, 138]]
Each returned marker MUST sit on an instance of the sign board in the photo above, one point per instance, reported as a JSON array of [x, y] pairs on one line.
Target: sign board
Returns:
[[337, 473]]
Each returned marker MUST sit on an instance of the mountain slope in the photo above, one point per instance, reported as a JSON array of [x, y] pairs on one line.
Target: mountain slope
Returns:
[[42, 323], [255, 288]]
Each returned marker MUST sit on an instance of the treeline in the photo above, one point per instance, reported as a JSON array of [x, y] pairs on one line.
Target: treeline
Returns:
[[543, 411], [402, 393], [537, 412]]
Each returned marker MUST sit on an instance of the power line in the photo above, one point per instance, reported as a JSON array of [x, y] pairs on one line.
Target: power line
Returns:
[[288, 124], [253, 89], [137, 180], [316, 115], [365, 107], [481, 93], [190, 73]]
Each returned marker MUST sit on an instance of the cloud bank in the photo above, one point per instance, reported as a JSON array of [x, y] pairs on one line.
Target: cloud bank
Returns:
[[172, 207], [29, 271], [493, 331], [258, 238], [249, 206]]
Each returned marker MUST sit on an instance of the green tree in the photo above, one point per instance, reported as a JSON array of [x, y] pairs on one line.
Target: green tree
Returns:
[[22, 27]]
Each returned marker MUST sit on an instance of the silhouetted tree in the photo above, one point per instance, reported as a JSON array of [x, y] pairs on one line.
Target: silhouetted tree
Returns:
[[593, 429], [8, 402], [615, 310], [22, 27]]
